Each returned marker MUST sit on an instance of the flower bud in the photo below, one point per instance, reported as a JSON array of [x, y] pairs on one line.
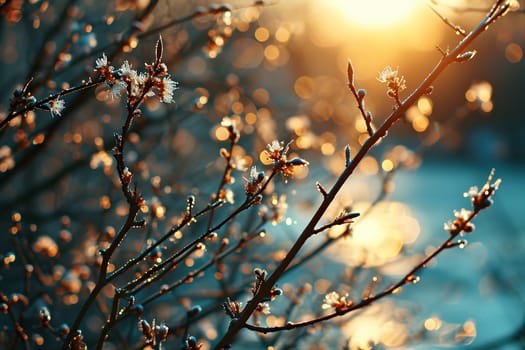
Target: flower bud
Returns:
[[350, 73], [466, 56], [194, 311]]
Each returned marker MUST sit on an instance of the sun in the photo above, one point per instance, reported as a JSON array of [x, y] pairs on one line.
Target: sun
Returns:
[[378, 13], [382, 26]]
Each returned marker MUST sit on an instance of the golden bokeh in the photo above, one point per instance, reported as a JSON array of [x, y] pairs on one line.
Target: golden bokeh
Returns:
[[379, 238], [514, 53]]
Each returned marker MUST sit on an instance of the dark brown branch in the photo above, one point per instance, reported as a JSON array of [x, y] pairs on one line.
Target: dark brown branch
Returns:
[[42, 102]]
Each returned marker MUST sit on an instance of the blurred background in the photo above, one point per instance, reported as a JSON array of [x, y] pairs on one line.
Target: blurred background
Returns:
[[279, 71]]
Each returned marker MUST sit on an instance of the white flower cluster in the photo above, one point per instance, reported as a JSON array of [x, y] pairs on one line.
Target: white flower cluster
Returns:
[[155, 82]]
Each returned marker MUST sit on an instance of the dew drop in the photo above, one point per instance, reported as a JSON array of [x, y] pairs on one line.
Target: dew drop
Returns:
[[413, 279], [462, 243]]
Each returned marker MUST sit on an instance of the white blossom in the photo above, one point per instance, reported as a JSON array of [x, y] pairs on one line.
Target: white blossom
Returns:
[[166, 87], [56, 106], [101, 62]]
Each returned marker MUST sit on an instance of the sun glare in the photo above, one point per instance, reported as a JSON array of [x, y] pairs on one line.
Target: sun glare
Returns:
[[378, 239], [378, 13]]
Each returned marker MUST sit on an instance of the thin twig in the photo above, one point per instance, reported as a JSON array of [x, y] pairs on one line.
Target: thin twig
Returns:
[[457, 29], [42, 102], [393, 289]]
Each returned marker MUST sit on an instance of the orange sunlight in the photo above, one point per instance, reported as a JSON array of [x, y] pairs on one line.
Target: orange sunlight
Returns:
[[370, 32], [378, 13]]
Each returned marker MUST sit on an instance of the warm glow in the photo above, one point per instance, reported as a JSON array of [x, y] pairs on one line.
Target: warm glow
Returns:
[[375, 13], [371, 31], [387, 165], [378, 239], [432, 323], [377, 325], [514, 53]]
